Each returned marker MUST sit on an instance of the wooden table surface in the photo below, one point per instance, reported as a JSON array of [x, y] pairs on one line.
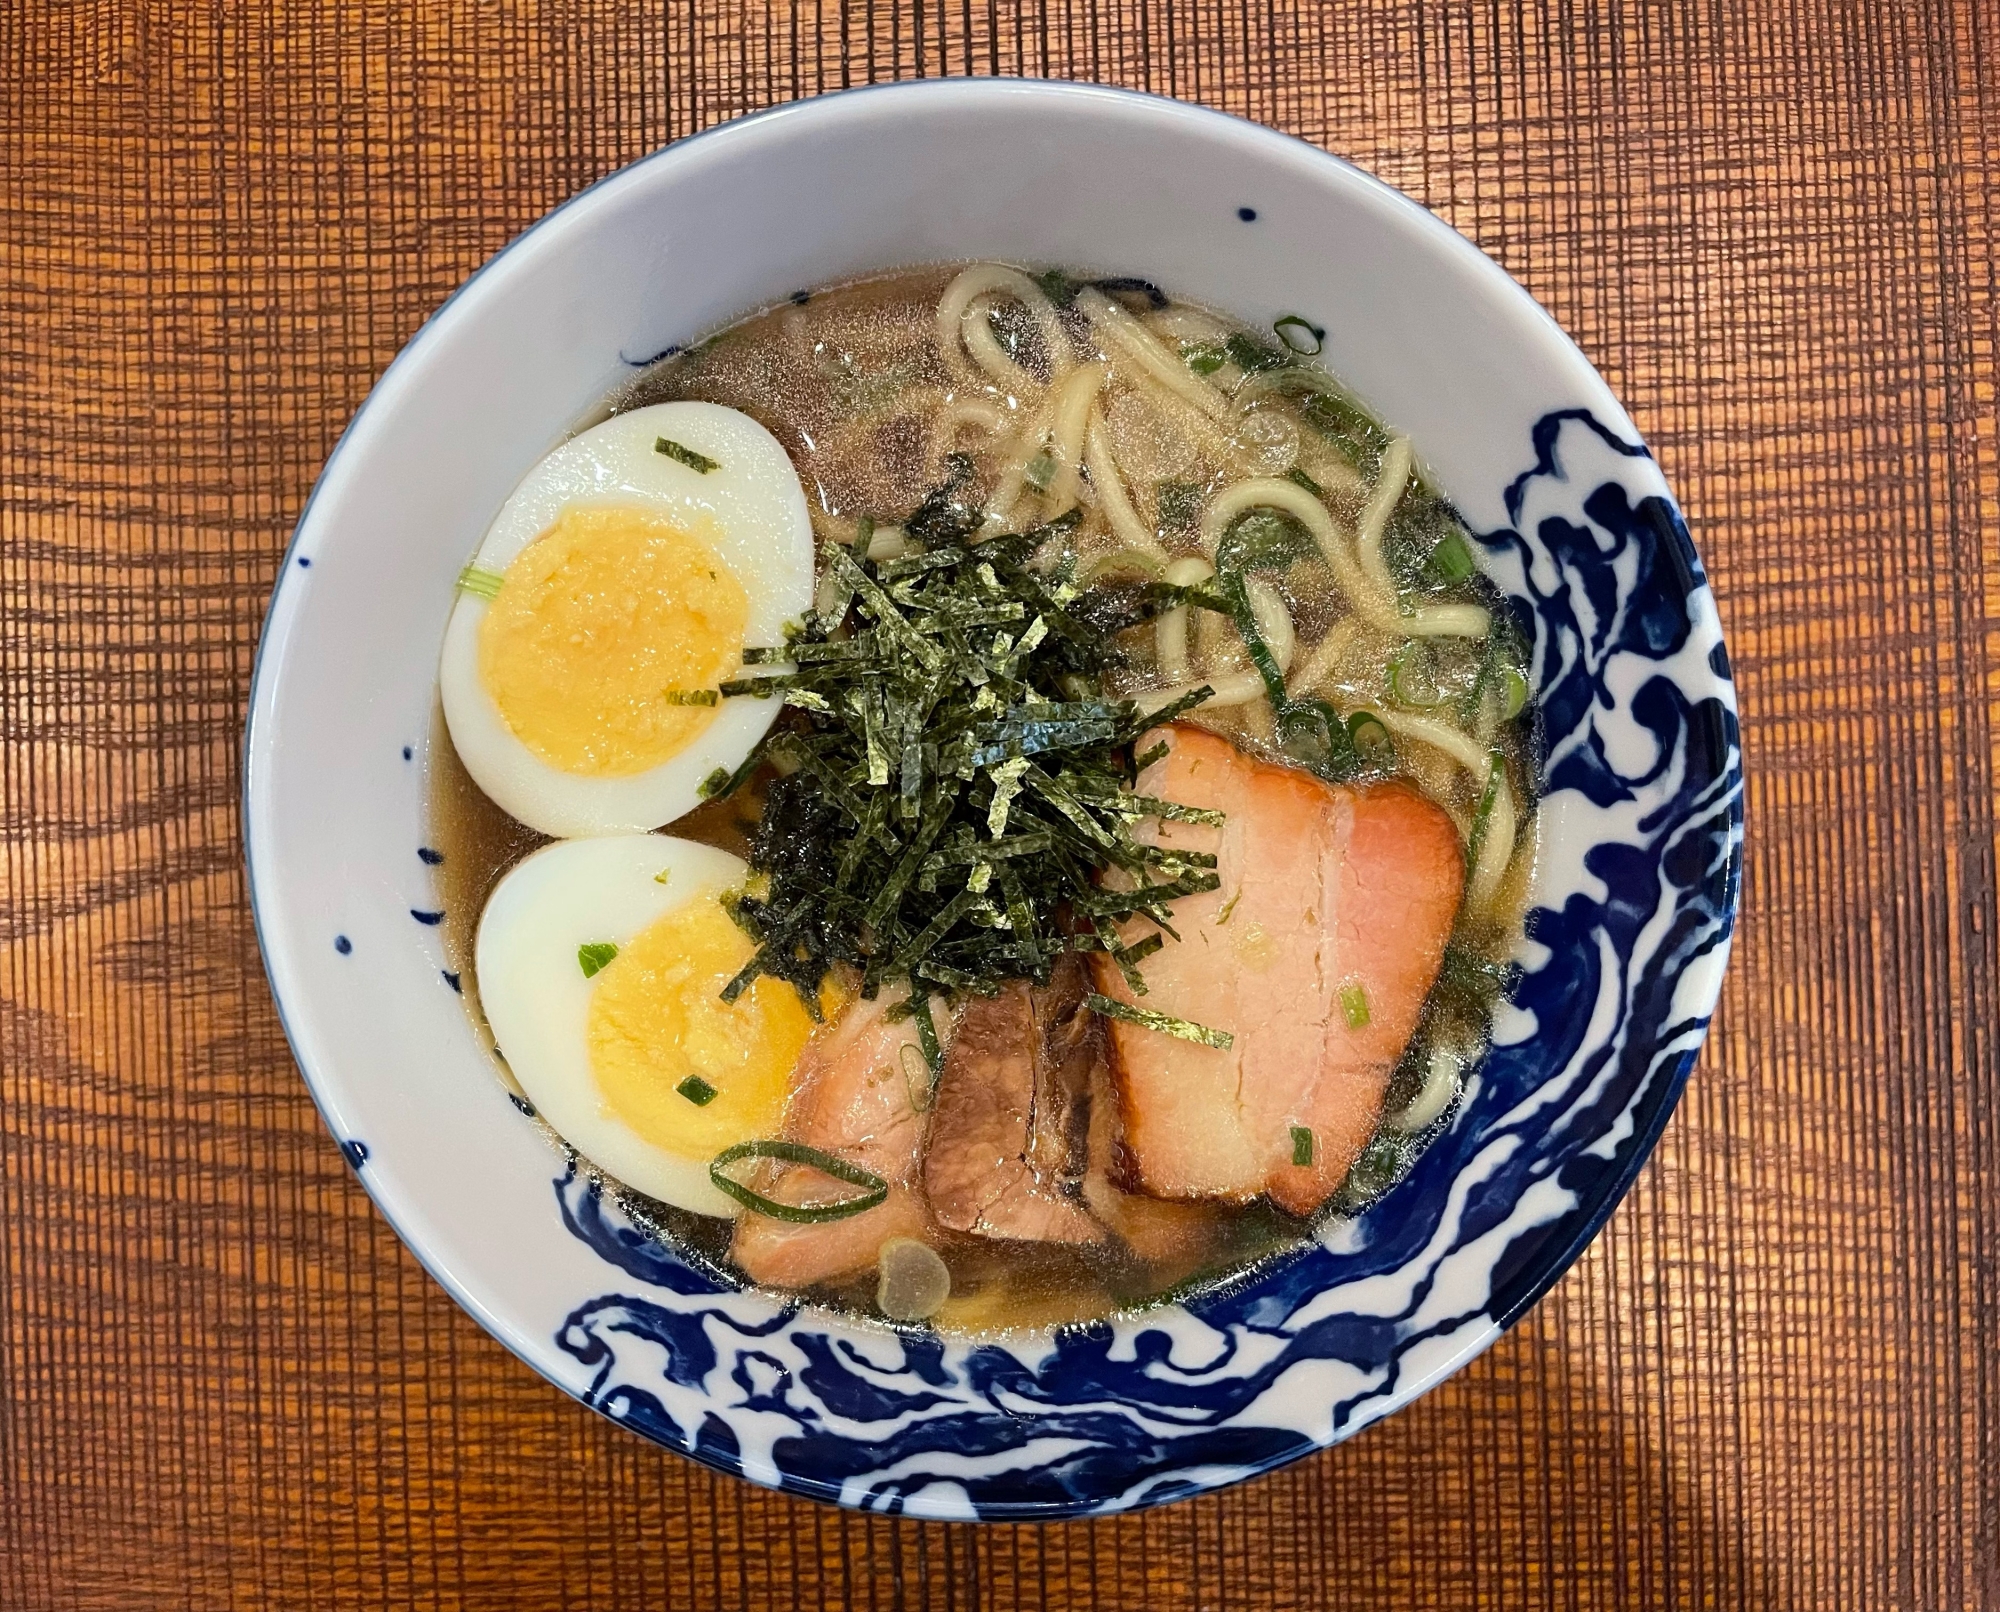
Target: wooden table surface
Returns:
[[1774, 1381]]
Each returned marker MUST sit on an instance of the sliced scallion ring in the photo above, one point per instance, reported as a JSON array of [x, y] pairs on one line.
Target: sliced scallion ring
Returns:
[[874, 1188], [1413, 678], [1370, 736], [1300, 334], [1513, 693]]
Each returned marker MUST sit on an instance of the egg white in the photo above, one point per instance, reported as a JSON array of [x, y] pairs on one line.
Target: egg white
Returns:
[[750, 510], [537, 1000]]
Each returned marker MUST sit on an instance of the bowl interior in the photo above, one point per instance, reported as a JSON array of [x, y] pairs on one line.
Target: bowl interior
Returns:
[[1643, 806]]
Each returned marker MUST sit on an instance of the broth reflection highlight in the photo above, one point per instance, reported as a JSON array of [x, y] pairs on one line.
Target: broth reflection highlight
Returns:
[[1147, 805]]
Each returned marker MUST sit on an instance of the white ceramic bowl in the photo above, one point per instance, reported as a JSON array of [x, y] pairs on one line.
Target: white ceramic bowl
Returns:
[[1641, 821]]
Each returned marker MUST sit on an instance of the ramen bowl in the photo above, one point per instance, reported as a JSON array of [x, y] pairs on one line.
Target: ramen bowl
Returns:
[[1631, 905]]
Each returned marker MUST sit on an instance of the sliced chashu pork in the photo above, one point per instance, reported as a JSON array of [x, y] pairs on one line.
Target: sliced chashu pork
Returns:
[[1007, 1132], [852, 1096], [1324, 890]]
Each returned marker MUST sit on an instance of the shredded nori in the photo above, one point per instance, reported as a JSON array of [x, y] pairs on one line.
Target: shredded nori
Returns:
[[957, 803]]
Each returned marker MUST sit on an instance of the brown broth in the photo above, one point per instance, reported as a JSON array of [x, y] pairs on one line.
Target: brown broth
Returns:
[[851, 382]]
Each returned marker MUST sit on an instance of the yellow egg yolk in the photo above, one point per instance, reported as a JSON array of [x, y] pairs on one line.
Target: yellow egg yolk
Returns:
[[657, 1016], [597, 623]]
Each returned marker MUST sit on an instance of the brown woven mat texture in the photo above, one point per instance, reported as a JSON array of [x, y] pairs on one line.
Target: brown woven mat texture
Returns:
[[1772, 1383]]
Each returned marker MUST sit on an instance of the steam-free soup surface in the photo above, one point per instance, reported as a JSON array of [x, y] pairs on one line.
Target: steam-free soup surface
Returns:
[[1355, 790]]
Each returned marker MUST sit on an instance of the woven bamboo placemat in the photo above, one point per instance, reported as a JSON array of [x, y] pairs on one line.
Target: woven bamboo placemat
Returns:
[[1774, 1381]]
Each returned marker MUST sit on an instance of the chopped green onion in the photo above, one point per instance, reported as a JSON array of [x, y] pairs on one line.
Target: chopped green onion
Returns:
[[1203, 357], [595, 955], [1314, 735], [1451, 560], [1369, 735], [874, 1188], [1346, 425], [479, 583], [1413, 678], [1514, 693], [1496, 769], [700, 463], [1302, 1146], [663, 875], [1300, 334], [1252, 635], [1041, 471], [690, 696], [1354, 1006], [1263, 540], [716, 783], [1302, 479], [1058, 287], [1228, 908], [697, 1091], [1165, 1023], [1250, 355]]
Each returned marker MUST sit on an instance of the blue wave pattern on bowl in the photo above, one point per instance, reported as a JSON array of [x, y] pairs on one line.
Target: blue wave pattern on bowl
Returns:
[[1642, 841]]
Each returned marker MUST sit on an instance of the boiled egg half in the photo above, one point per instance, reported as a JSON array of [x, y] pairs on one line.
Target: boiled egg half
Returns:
[[617, 587], [601, 965]]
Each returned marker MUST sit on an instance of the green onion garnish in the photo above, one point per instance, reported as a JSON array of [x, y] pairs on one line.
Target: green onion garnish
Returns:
[[1165, 1023], [1228, 908], [1203, 357], [697, 462], [479, 583], [1413, 678], [1263, 540], [595, 955], [1041, 471], [1451, 560], [697, 1091], [1300, 478], [690, 696], [1250, 355], [874, 1188], [1354, 1006], [1300, 334], [1514, 693], [1302, 1146], [1370, 736], [663, 875], [1494, 772]]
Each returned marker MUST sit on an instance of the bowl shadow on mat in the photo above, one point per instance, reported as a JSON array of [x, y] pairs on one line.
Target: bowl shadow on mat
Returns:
[[1541, 1473]]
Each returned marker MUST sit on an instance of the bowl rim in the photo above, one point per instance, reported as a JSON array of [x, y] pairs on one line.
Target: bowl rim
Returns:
[[1266, 142]]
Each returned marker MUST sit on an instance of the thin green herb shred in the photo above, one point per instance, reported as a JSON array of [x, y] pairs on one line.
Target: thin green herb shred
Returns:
[[955, 789], [690, 696], [1302, 1146], [595, 956], [873, 1189], [697, 1091], [480, 583], [700, 463]]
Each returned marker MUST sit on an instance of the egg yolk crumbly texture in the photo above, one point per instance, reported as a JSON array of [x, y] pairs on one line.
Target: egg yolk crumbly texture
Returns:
[[657, 1016], [596, 622]]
